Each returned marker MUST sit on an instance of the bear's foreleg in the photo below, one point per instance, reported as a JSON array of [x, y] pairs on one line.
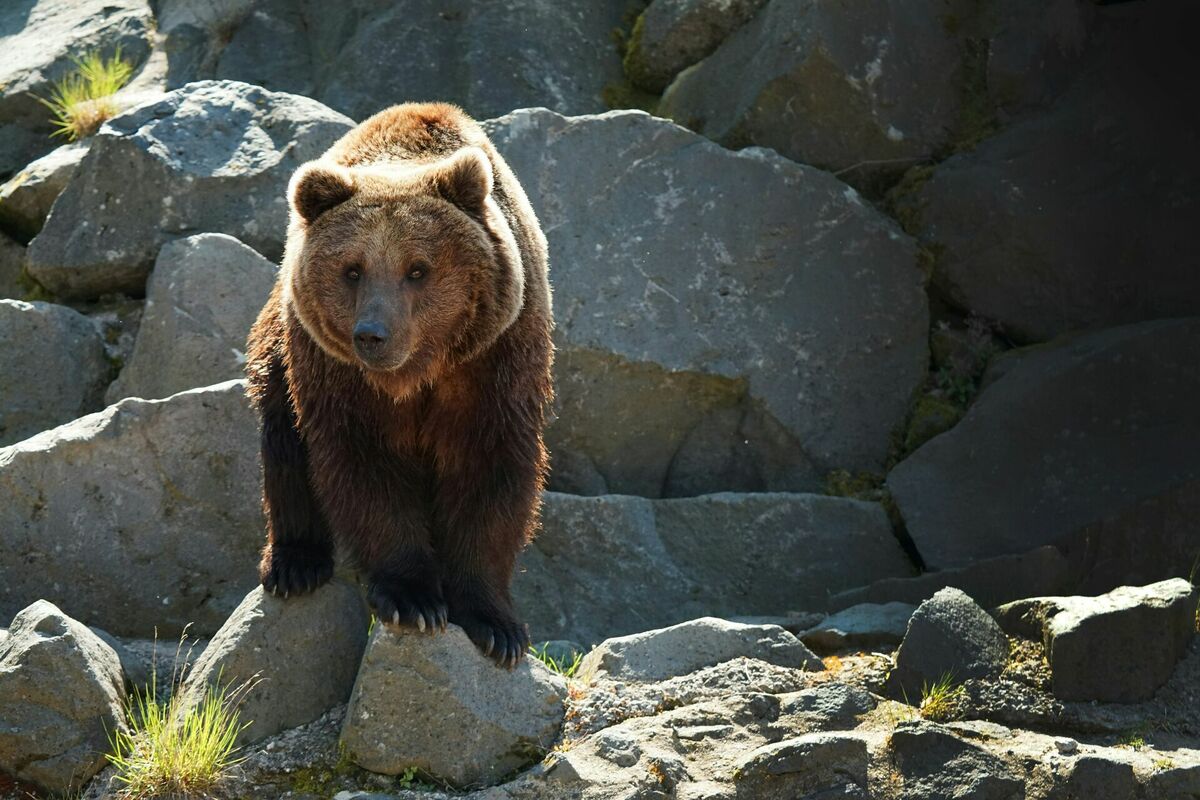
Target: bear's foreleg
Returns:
[[377, 505], [298, 556], [487, 506]]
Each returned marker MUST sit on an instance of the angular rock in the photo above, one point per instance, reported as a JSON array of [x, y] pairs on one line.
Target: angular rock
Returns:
[[992, 581], [812, 765], [614, 565], [26, 198], [39, 39], [434, 703], [948, 634], [1033, 228], [54, 368], [297, 657], [1097, 778], [1048, 449], [165, 490], [12, 262], [831, 84], [203, 296], [860, 627], [827, 706], [725, 321], [504, 56], [212, 156], [684, 648], [937, 765], [61, 693], [1034, 49], [1119, 647], [671, 35]]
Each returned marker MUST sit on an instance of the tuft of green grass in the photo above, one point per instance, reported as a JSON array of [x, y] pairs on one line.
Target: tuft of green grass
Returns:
[[940, 700], [1133, 739], [168, 750], [81, 101], [567, 670]]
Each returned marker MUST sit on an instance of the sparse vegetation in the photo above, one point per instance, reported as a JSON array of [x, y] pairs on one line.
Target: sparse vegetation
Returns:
[[940, 700], [561, 666], [168, 750], [1133, 739], [81, 101]]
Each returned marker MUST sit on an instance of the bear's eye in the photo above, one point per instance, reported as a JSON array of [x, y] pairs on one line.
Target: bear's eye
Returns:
[[417, 271], [352, 274]]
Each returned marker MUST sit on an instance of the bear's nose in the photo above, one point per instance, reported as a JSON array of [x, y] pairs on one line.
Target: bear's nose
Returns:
[[369, 336]]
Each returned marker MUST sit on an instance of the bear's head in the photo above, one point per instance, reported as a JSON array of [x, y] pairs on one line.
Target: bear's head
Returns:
[[401, 270]]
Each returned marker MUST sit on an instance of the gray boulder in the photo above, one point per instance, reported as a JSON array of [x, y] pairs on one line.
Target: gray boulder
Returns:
[[1033, 229], [39, 39], [831, 84], [203, 296], [684, 648], [948, 634], [26, 198], [286, 661], [725, 321], [166, 488], [615, 565], [1087, 444], [937, 765], [1119, 647], [814, 765], [671, 35], [826, 706], [861, 627], [1097, 777], [434, 703], [504, 55], [12, 262], [54, 368], [61, 693], [212, 156]]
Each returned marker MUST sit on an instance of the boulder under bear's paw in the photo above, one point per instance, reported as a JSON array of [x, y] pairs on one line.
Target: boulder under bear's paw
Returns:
[[407, 603], [294, 570]]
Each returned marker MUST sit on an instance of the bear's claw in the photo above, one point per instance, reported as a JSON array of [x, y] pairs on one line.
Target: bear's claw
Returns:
[[406, 604], [295, 570]]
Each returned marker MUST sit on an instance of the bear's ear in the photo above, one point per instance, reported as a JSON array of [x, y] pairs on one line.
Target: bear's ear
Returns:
[[464, 179], [316, 188]]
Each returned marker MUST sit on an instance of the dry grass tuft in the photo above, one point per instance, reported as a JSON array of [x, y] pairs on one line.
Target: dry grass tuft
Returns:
[[81, 101]]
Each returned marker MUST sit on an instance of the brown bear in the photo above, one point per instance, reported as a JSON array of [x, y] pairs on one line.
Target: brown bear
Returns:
[[401, 370]]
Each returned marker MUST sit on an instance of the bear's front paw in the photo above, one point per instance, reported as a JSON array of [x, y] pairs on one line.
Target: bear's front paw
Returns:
[[289, 569], [407, 603], [500, 637]]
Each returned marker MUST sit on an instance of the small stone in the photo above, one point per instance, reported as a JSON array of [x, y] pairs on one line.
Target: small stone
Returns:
[[61, 693], [298, 657], [684, 648], [861, 627], [26, 198], [435, 703], [1065, 745], [671, 35]]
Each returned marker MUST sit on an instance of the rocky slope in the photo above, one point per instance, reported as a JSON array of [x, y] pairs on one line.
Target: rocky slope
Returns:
[[870, 305]]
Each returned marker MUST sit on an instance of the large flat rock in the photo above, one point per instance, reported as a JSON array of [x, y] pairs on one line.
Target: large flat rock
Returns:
[[212, 156], [1092, 443], [726, 321], [142, 516], [615, 565]]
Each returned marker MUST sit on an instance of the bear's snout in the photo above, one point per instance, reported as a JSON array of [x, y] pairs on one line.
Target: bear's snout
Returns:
[[370, 339]]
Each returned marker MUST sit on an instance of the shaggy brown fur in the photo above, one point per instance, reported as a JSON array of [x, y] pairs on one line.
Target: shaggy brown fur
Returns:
[[401, 369]]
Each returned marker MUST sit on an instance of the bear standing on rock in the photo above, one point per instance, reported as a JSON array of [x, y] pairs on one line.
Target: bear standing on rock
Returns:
[[401, 369]]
